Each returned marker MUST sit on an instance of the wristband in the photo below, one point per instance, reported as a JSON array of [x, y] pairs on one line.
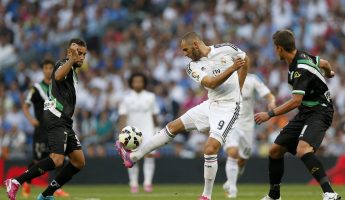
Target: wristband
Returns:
[[271, 113]]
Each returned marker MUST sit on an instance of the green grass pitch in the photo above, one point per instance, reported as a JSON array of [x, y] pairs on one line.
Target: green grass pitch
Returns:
[[179, 191]]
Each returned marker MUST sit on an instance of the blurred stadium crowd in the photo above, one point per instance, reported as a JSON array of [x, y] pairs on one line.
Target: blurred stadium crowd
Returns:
[[143, 35]]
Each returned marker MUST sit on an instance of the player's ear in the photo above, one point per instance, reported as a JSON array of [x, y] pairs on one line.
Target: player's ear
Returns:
[[196, 44]]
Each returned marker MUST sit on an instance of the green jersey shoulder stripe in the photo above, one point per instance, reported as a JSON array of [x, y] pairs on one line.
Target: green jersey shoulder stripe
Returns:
[[312, 70]]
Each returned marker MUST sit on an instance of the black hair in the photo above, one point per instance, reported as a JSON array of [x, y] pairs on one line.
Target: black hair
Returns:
[[78, 41], [285, 39], [137, 74], [47, 62]]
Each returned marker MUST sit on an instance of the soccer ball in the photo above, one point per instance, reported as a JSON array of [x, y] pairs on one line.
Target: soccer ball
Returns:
[[130, 137]]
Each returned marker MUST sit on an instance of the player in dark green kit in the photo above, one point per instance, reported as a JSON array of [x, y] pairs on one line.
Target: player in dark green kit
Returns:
[[62, 140], [303, 134]]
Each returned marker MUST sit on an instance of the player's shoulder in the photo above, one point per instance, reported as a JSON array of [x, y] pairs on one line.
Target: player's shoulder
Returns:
[[60, 62], [304, 58], [225, 46]]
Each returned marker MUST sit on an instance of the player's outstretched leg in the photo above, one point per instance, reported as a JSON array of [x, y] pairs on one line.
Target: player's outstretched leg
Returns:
[[163, 137], [12, 185], [317, 171]]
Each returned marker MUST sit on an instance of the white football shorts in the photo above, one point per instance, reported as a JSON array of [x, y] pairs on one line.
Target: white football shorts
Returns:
[[219, 117], [242, 138]]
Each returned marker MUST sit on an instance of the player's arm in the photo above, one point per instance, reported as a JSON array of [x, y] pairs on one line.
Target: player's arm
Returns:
[[324, 64], [243, 71], [300, 85], [64, 69], [271, 101], [291, 104], [26, 108], [214, 81]]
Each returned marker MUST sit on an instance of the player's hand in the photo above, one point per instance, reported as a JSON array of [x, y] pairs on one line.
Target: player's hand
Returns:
[[261, 117], [238, 63], [72, 53], [331, 74], [34, 122]]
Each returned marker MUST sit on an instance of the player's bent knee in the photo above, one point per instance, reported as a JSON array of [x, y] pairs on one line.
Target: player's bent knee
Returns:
[[58, 159], [276, 151], [303, 148], [175, 127], [232, 152]]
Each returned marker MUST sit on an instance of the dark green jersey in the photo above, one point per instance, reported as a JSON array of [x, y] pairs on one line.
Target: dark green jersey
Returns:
[[306, 78], [63, 92]]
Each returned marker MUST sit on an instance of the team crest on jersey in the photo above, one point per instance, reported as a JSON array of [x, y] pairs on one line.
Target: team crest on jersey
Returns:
[[296, 75], [195, 75], [223, 60]]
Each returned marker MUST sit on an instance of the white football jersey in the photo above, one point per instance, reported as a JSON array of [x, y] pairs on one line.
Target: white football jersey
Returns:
[[217, 61], [251, 84], [139, 109]]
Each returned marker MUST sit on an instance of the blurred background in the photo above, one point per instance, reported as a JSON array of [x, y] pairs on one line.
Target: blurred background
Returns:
[[124, 36]]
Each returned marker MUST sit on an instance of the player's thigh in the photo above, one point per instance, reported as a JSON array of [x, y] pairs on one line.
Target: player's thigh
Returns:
[[223, 119], [77, 158], [72, 143], [289, 136], [197, 118], [57, 139], [315, 128]]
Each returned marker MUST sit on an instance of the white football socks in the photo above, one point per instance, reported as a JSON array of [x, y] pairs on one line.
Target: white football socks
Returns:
[[231, 169], [210, 171], [133, 174], [149, 168], [162, 138]]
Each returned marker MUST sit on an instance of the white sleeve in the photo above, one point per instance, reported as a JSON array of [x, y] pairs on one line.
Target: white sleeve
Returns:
[[232, 50], [195, 72], [123, 108], [260, 87]]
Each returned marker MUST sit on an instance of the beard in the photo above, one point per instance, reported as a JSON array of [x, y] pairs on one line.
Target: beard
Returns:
[[77, 65], [195, 54]]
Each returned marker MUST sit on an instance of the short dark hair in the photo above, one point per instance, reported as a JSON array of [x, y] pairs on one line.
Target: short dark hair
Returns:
[[137, 74], [191, 36], [78, 41], [286, 39], [47, 62]]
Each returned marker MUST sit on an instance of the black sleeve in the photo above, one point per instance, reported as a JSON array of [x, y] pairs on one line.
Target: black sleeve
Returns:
[[32, 95], [302, 78]]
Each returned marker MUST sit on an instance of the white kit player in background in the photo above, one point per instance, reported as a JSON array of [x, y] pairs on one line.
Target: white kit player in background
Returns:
[[140, 109], [239, 144], [221, 69]]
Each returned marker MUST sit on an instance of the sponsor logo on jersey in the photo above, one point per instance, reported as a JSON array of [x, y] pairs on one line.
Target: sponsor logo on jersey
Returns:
[[195, 75], [296, 75]]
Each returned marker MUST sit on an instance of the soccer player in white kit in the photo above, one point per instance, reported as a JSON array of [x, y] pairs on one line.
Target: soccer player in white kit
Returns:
[[239, 144], [141, 110], [221, 69]]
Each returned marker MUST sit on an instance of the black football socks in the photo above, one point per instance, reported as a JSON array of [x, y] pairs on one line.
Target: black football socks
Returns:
[[276, 171], [36, 170], [65, 175], [317, 171]]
